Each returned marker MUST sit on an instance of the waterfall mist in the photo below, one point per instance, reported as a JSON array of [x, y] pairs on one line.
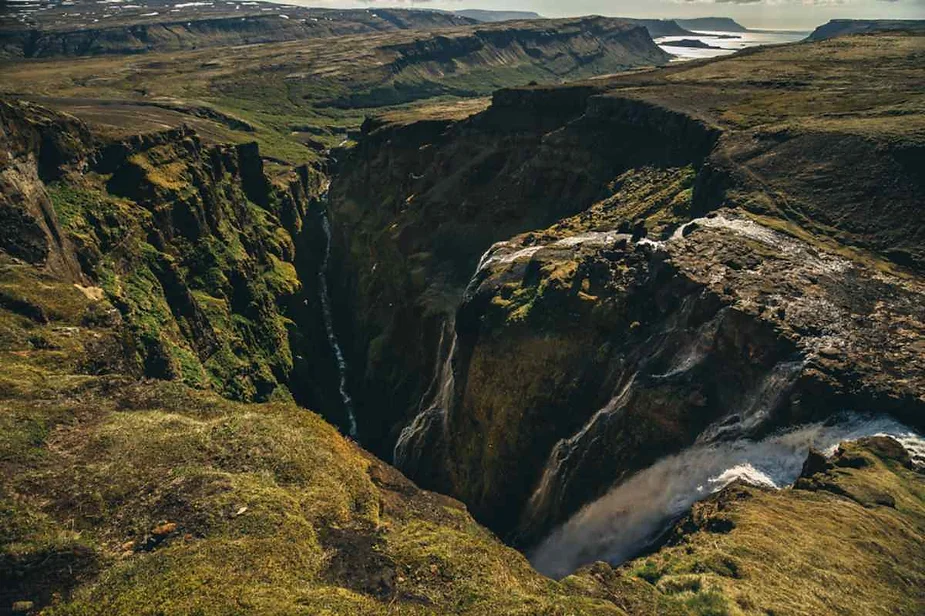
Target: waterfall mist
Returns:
[[627, 519]]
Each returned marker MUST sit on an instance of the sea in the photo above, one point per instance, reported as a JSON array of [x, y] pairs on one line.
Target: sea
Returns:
[[725, 44]]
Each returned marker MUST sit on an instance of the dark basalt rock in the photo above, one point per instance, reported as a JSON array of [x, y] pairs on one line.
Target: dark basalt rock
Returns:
[[576, 366], [816, 462], [690, 43], [190, 238]]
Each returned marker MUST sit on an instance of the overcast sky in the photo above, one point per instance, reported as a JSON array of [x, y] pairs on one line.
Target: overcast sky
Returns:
[[793, 14]]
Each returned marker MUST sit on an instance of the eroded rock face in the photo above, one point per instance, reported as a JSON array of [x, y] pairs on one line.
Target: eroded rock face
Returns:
[[727, 275], [415, 207], [31, 152], [193, 244], [584, 356]]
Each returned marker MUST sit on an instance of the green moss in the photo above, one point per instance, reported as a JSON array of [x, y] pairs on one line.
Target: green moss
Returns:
[[561, 287], [149, 497], [461, 568], [791, 551], [236, 274], [281, 278], [40, 297], [649, 572], [709, 603], [22, 434], [70, 203], [165, 175], [191, 369]]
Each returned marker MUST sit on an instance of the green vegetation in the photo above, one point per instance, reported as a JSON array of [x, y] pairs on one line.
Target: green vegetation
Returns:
[[145, 497], [657, 199], [235, 339], [298, 97], [812, 549], [207, 491]]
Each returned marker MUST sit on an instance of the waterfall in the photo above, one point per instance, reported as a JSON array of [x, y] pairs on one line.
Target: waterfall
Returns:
[[567, 462], [329, 326], [627, 519], [413, 436], [758, 406]]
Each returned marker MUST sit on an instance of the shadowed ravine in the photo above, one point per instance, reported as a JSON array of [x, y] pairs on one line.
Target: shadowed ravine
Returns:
[[649, 343], [329, 325], [408, 447]]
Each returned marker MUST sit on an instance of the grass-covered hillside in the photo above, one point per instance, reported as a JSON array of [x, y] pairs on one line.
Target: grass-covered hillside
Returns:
[[129, 495], [299, 97], [700, 255]]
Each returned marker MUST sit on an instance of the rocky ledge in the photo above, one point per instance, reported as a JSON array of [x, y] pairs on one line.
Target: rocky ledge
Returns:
[[553, 294]]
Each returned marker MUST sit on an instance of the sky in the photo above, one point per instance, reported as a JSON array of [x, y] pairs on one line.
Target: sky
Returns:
[[780, 14]]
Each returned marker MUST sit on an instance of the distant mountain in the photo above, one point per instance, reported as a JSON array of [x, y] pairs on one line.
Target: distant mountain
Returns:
[[660, 27], [842, 27], [656, 27], [93, 28], [482, 15], [712, 24]]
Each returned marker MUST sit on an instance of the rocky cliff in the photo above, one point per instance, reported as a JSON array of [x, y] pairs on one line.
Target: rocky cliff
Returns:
[[127, 495], [845, 27], [641, 301], [476, 61], [121, 493], [690, 275], [88, 29], [192, 244], [535, 156]]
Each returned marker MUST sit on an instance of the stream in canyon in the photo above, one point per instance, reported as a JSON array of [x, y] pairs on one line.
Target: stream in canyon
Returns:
[[329, 327], [410, 442], [636, 512]]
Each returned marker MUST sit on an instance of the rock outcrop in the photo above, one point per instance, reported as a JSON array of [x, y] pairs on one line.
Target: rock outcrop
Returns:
[[712, 274], [478, 60], [845, 27], [192, 244], [445, 192]]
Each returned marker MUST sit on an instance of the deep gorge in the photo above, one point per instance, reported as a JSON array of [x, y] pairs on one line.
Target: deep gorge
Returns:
[[529, 389], [524, 357], [647, 343]]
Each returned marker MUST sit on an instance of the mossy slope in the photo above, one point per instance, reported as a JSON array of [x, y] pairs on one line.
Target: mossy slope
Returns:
[[846, 539], [123, 496], [192, 244]]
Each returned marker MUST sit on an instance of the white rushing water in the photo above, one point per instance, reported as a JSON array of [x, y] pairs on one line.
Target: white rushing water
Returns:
[[407, 448], [329, 327], [438, 398], [622, 523], [726, 43], [503, 253]]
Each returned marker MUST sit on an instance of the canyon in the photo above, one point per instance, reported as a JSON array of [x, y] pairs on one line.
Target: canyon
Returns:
[[510, 318]]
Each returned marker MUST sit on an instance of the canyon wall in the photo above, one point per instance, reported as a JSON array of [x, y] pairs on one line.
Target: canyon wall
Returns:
[[203, 255], [659, 299]]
